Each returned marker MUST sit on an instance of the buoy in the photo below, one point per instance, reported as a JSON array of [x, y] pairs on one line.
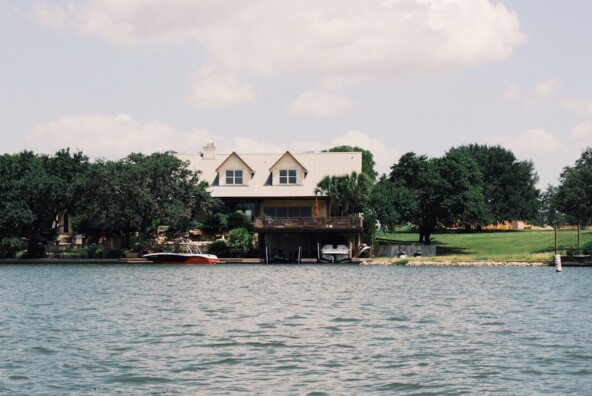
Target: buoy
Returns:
[[557, 263]]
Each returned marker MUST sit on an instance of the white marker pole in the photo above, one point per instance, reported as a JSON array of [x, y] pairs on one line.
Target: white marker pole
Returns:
[[557, 263]]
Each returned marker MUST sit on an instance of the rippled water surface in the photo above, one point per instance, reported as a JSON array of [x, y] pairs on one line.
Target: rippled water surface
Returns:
[[256, 329]]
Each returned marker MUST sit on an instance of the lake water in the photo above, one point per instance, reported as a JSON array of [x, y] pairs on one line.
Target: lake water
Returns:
[[302, 330]]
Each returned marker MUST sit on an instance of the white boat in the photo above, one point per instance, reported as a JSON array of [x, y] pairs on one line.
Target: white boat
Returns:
[[183, 252], [334, 254]]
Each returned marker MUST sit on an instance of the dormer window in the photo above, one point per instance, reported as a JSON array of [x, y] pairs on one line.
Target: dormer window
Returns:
[[234, 177], [287, 176]]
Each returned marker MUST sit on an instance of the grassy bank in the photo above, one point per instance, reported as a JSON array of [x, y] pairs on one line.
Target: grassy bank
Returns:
[[524, 245]]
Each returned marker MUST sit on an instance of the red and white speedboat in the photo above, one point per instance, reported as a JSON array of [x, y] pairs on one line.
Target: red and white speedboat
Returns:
[[184, 252]]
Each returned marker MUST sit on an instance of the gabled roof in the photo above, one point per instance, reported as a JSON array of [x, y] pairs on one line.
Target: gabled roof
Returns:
[[317, 164], [235, 155], [288, 154]]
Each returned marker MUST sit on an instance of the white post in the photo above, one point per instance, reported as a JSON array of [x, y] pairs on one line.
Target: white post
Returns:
[[299, 253], [266, 254], [557, 263]]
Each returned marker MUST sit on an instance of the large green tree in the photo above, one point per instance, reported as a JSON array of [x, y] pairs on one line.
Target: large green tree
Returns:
[[141, 192], [438, 192], [35, 190], [574, 194], [509, 185]]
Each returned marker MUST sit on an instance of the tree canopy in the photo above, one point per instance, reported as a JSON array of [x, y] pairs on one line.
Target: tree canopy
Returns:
[[574, 194], [34, 190], [509, 185], [138, 192], [438, 192]]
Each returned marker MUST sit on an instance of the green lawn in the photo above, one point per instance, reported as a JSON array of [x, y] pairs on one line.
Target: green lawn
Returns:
[[526, 245]]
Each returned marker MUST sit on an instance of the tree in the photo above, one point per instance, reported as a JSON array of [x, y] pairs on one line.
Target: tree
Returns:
[[35, 190], [438, 192], [382, 201], [367, 159], [574, 194], [350, 192], [141, 192], [509, 185], [549, 213]]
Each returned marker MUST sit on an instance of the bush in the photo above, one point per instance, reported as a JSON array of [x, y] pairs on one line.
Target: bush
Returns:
[[215, 224], [140, 244], [587, 248], [9, 247], [219, 248], [239, 241], [95, 251], [239, 220]]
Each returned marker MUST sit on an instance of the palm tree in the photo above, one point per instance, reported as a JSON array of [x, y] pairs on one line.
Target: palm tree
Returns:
[[349, 192]]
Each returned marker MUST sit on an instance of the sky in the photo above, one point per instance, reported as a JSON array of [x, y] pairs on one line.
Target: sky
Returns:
[[111, 77]]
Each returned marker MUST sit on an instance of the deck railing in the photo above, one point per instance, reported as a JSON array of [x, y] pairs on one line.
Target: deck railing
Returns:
[[312, 223]]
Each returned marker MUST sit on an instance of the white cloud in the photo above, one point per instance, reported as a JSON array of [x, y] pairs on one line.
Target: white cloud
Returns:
[[112, 137], [384, 38], [249, 146], [578, 105], [213, 90], [384, 157], [50, 15], [319, 103], [546, 88], [583, 133], [511, 93], [546, 151], [530, 144]]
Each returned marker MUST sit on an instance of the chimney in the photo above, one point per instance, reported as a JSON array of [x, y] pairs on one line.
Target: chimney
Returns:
[[209, 151]]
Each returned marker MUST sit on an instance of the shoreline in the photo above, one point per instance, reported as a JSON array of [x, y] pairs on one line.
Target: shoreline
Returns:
[[447, 263]]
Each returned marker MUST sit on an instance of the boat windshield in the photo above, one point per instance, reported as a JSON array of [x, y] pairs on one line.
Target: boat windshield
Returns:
[[187, 248]]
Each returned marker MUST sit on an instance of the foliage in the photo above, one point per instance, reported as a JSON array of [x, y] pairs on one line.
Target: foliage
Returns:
[[215, 223], [438, 192], [10, 246], [548, 213], [239, 241], [35, 190], [574, 194], [140, 244], [382, 198], [238, 220], [219, 248], [140, 193], [367, 159], [509, 185], [95, 251], [350, 193]]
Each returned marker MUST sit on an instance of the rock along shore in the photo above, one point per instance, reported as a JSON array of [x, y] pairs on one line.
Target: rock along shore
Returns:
[[486, 263]]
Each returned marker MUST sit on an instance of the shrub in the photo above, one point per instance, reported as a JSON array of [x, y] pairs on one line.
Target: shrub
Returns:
[[215, 223], [9, 247], [587, 248], [239, 241], [95, 251], [238, 220], [219, 248]]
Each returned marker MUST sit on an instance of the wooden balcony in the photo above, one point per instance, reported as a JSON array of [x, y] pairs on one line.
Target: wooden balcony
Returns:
[[282, 224]]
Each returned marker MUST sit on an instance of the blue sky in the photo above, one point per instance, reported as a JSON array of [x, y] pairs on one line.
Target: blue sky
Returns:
[[113, 77]]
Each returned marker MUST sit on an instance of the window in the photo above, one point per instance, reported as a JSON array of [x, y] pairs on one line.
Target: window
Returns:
[[234, 177], [288, 212], [287, 176]]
